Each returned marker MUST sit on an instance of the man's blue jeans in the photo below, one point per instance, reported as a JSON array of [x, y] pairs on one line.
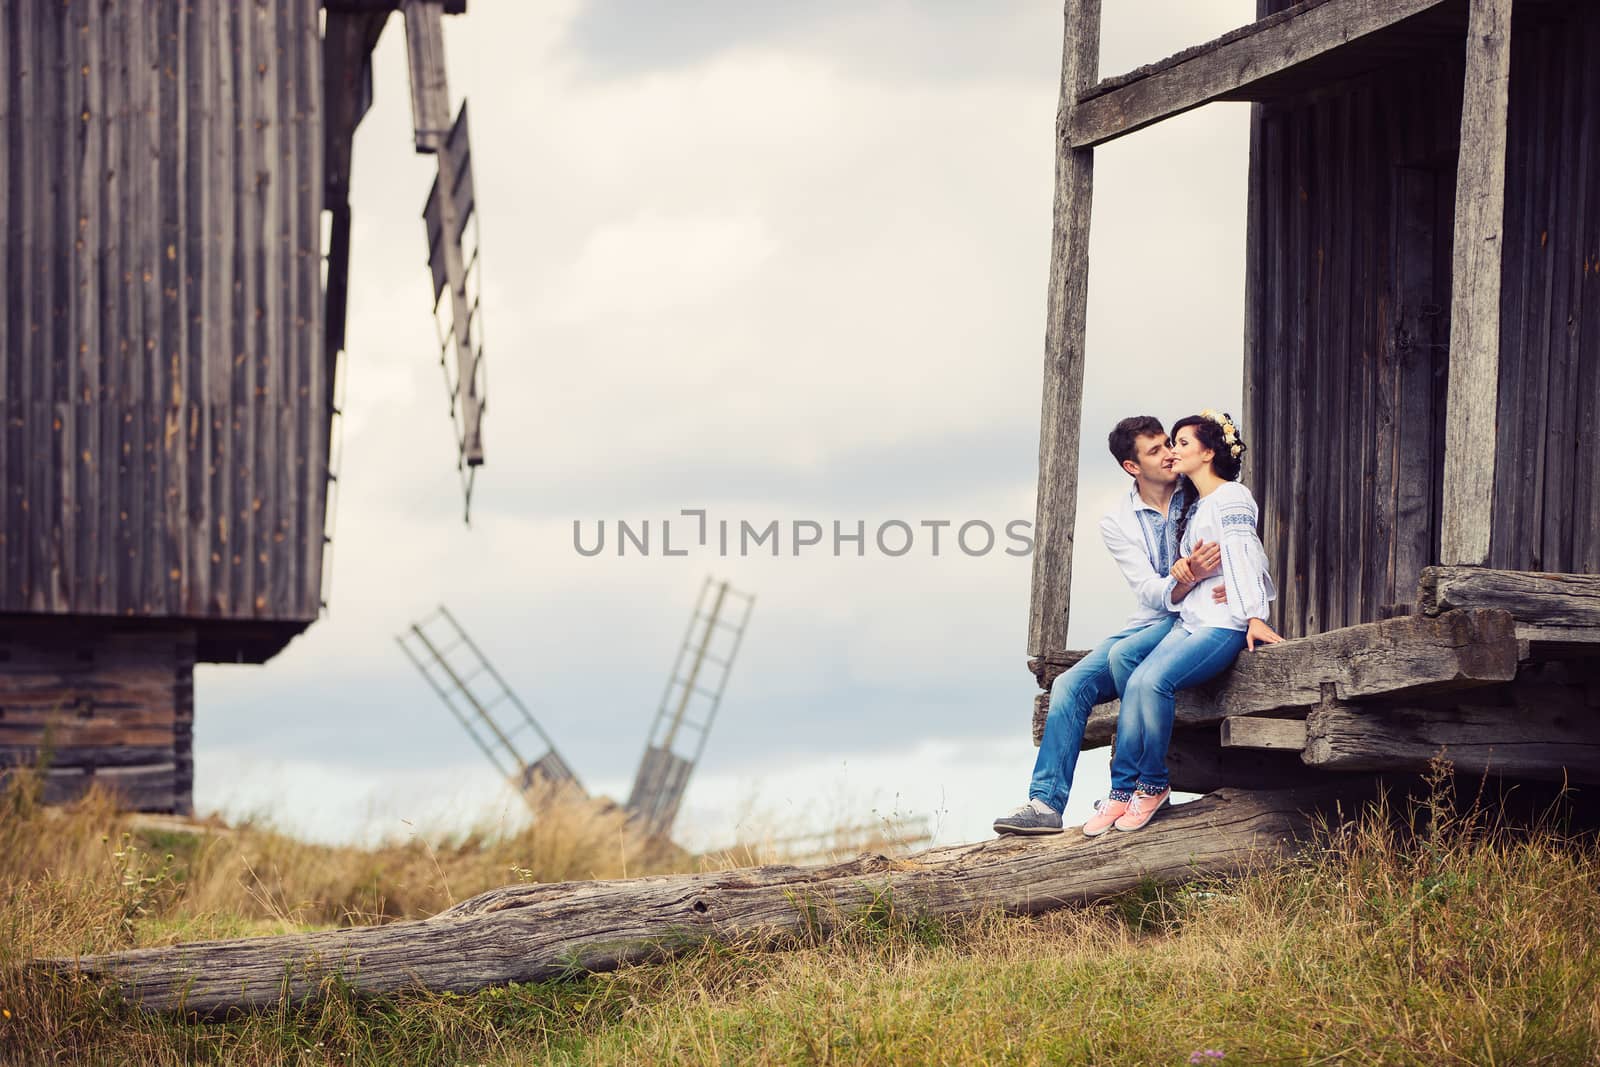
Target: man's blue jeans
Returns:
[[1097, 677], [1144, 726]]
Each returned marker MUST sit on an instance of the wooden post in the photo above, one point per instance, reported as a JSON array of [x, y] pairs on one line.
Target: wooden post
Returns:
[[1469, 450], [1067, 304]]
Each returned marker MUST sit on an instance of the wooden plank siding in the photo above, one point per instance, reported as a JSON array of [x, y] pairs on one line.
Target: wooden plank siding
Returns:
[[1547, 477], [88, 703], [162, 362], [1345, 338]]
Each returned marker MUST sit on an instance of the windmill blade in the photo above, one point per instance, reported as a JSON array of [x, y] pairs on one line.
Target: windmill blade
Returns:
[[689, 705], [449, 214], [496, 719]]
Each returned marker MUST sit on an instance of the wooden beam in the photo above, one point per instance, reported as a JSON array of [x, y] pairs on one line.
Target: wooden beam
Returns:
[[1254, 731], [1066, 309], [536, 932], [1469, 443], [1409, 655], [1233, 62], [1548, 739], [1543, 600]]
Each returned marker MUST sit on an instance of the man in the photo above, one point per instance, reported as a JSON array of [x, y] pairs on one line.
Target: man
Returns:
[[1141, 535]]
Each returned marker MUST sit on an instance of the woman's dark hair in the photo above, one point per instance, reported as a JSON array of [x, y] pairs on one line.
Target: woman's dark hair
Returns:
[[1224, 464], [1125, 434]]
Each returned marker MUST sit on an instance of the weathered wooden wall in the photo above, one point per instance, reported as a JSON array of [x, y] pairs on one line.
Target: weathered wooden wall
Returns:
[[1351, 210], [162, 363], [1547, 472], [1350, 224], [99, 705]]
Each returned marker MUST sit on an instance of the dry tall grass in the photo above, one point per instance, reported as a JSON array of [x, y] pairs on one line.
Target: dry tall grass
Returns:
[[1449, 938]]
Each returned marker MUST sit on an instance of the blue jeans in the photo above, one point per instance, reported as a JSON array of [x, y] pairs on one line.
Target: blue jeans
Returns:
[[1144, 726], [1097, 677]]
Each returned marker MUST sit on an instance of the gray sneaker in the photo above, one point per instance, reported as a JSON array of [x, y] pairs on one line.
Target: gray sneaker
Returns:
[[1034, 817]]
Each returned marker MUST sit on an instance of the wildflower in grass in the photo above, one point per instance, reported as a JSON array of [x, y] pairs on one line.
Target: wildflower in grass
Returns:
[[1205, 1055]]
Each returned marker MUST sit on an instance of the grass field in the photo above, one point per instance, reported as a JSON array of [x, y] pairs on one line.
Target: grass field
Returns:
[[1440, 938]]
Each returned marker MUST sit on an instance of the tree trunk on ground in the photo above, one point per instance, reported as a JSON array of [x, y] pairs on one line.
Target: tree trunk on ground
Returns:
[[533, 932]]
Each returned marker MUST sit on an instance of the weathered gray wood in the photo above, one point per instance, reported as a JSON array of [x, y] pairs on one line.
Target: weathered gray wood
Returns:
[[1229, 65], [1552, 738], [1546, 600], [1254, 731], [1067, 307], [1196, 763], [535, 932], [1408, 655], [1469, 458], [430, 99]]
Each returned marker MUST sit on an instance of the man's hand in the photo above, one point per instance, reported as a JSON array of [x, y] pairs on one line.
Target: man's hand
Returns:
[[1220, 593], [1205, 560]]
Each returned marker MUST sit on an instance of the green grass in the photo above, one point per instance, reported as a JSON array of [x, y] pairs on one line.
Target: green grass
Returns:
[[1459, 942]]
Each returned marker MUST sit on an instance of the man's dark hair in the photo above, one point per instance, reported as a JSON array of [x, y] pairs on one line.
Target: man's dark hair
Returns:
[[1128, 431]]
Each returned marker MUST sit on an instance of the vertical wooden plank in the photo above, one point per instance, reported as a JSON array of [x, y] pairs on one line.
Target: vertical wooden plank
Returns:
[[247, 310], [311, 404], [1560, 465], [200, 86], [227, 344], [108, 276], [171, 78], [268, 298], [153, 572], [12, 267], [57, 372], [1318, 366], [1296, 300], [1469, 459], [1280, 420], [1255, 374], [291, 191], [130, 317], [88, 401], [1067, 305], [1585, 509]]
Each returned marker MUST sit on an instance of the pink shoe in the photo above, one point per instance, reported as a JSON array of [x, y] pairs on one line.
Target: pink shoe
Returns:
[[1106, 812], [1143, 807]]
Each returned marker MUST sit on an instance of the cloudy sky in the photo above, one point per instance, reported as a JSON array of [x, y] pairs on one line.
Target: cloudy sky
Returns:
[[780, 262]]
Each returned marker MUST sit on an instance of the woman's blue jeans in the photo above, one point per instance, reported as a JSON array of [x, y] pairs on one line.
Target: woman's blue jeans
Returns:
[[1144, 726], [1096, 678]]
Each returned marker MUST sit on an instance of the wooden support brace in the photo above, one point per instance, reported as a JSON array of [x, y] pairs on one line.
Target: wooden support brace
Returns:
[[1469, 446], [1067, 308], [1230, 65], [1412, 654], [1565, 600], [1551, 739], [1254, 731]]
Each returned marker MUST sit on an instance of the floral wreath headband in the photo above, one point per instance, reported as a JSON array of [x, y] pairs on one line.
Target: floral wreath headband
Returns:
[[1230, 432]]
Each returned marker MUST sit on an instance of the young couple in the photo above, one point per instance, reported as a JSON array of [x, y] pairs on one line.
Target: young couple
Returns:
[[1185, 539]]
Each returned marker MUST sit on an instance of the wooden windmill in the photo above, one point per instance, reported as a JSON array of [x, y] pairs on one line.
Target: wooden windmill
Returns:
[[1421, 378], [170, 341]]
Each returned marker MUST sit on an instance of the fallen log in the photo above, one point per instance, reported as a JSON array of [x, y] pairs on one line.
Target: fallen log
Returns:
[[541, 931], [1406, 656]]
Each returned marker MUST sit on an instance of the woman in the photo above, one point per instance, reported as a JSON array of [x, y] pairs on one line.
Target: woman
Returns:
[[1210, 633]]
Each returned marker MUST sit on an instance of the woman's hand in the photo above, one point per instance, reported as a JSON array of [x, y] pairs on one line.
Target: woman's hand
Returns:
[[1206, 559], [1258, 630], [1182, 571]]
